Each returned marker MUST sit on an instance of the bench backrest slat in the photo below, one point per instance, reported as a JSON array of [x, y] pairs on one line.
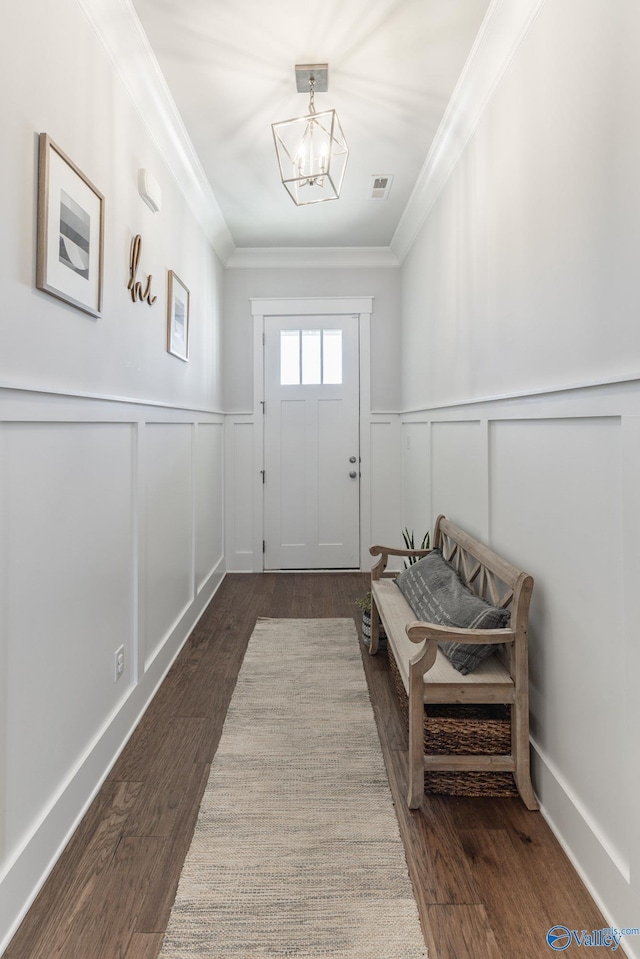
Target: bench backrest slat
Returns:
[[489, 575], [458, 539]]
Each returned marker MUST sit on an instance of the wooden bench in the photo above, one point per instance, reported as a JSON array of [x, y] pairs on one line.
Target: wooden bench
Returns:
[[429, 677]]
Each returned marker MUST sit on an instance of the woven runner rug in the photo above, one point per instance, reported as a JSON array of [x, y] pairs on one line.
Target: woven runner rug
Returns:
[[297, 851]]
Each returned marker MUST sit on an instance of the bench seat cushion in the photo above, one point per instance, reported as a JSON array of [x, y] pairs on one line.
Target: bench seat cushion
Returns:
[[436, 594], [396, 614]]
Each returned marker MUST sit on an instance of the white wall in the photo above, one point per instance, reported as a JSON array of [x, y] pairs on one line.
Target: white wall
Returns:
[[521, 283], [111, 450], [380, 484], [528, 258]]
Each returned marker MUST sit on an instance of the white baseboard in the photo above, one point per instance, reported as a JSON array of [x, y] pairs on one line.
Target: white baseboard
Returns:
[[604, 871]]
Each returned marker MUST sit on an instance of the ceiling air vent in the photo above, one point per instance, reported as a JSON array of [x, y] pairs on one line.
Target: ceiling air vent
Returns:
[[380, 186]]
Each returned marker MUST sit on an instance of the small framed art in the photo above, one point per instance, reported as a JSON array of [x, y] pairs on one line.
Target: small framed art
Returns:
[[178, 318], [70, 251]]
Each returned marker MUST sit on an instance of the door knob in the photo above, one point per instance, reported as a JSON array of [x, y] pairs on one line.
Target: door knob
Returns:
[[353, 474], [352, 459]]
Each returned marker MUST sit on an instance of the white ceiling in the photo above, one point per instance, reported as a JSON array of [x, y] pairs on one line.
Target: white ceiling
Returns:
[[393, 66]]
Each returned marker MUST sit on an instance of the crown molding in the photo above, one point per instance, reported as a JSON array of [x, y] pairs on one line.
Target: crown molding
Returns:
[[334, 258], [503, 30], [118, 28], [310, 305]]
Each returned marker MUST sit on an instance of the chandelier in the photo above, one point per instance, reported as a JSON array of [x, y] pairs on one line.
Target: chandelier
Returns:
[[312, 151]]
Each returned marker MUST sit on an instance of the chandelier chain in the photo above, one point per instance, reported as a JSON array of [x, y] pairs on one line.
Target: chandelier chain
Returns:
[[312, 83]]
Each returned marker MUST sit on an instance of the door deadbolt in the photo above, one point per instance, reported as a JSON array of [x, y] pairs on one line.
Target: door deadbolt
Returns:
[[352, 459]]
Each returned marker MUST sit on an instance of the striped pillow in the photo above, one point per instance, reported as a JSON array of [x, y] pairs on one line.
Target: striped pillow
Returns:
[[436, 594]]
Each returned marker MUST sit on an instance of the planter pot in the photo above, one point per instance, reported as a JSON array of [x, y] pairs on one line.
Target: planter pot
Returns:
[[366, 632]]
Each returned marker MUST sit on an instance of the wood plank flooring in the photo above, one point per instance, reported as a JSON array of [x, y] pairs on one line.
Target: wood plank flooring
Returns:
[[489, 876]]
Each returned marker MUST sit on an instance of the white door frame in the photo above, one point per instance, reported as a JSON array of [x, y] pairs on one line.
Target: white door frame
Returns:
[[362, 308]]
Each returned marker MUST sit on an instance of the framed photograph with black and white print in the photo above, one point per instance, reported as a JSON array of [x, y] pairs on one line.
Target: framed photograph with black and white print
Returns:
[[70, 231], [178, 318]]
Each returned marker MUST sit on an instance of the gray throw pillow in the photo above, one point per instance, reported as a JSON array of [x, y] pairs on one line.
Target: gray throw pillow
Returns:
[[437, 595]]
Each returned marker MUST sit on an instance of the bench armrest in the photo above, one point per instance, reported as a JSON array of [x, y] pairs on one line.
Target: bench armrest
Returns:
[[384, 552], [418, 632]]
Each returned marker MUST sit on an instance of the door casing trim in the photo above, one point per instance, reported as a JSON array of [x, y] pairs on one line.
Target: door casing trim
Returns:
[[362, 308]]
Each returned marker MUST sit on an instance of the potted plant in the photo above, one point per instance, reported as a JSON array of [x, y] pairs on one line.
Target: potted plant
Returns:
[[409, 543], [364, 604]]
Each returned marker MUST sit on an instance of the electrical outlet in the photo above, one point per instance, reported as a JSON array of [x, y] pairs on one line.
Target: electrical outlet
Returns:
[[118, 664]]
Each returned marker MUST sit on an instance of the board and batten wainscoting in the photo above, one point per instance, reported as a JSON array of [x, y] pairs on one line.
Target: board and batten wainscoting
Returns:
[[111, 540], [551, 480]]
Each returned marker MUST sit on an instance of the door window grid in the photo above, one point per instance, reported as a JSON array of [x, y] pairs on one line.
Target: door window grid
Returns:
[[310, 357]]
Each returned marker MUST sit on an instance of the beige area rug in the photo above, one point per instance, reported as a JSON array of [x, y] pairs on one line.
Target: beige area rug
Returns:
[[297, 851]]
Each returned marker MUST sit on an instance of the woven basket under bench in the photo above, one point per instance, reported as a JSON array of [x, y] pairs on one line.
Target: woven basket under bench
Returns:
[[472, 729]]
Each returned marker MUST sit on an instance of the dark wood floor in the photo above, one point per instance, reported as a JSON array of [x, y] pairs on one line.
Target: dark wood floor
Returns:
[[490, 878]]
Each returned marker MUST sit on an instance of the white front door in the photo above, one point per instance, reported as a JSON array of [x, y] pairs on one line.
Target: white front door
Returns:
[[311, 448]]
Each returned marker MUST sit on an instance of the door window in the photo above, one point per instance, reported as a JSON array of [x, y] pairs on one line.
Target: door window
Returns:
[[310, 357]]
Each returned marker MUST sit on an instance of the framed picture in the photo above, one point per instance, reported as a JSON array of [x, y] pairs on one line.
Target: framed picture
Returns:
[[70, 250], [178, 318]]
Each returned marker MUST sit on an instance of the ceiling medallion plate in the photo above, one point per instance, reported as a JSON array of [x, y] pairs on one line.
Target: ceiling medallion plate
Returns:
[[319, 72]]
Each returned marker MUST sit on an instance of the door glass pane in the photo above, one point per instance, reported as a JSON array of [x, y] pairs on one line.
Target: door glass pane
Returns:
[[311, 358], [332, 357], [290, 358]]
